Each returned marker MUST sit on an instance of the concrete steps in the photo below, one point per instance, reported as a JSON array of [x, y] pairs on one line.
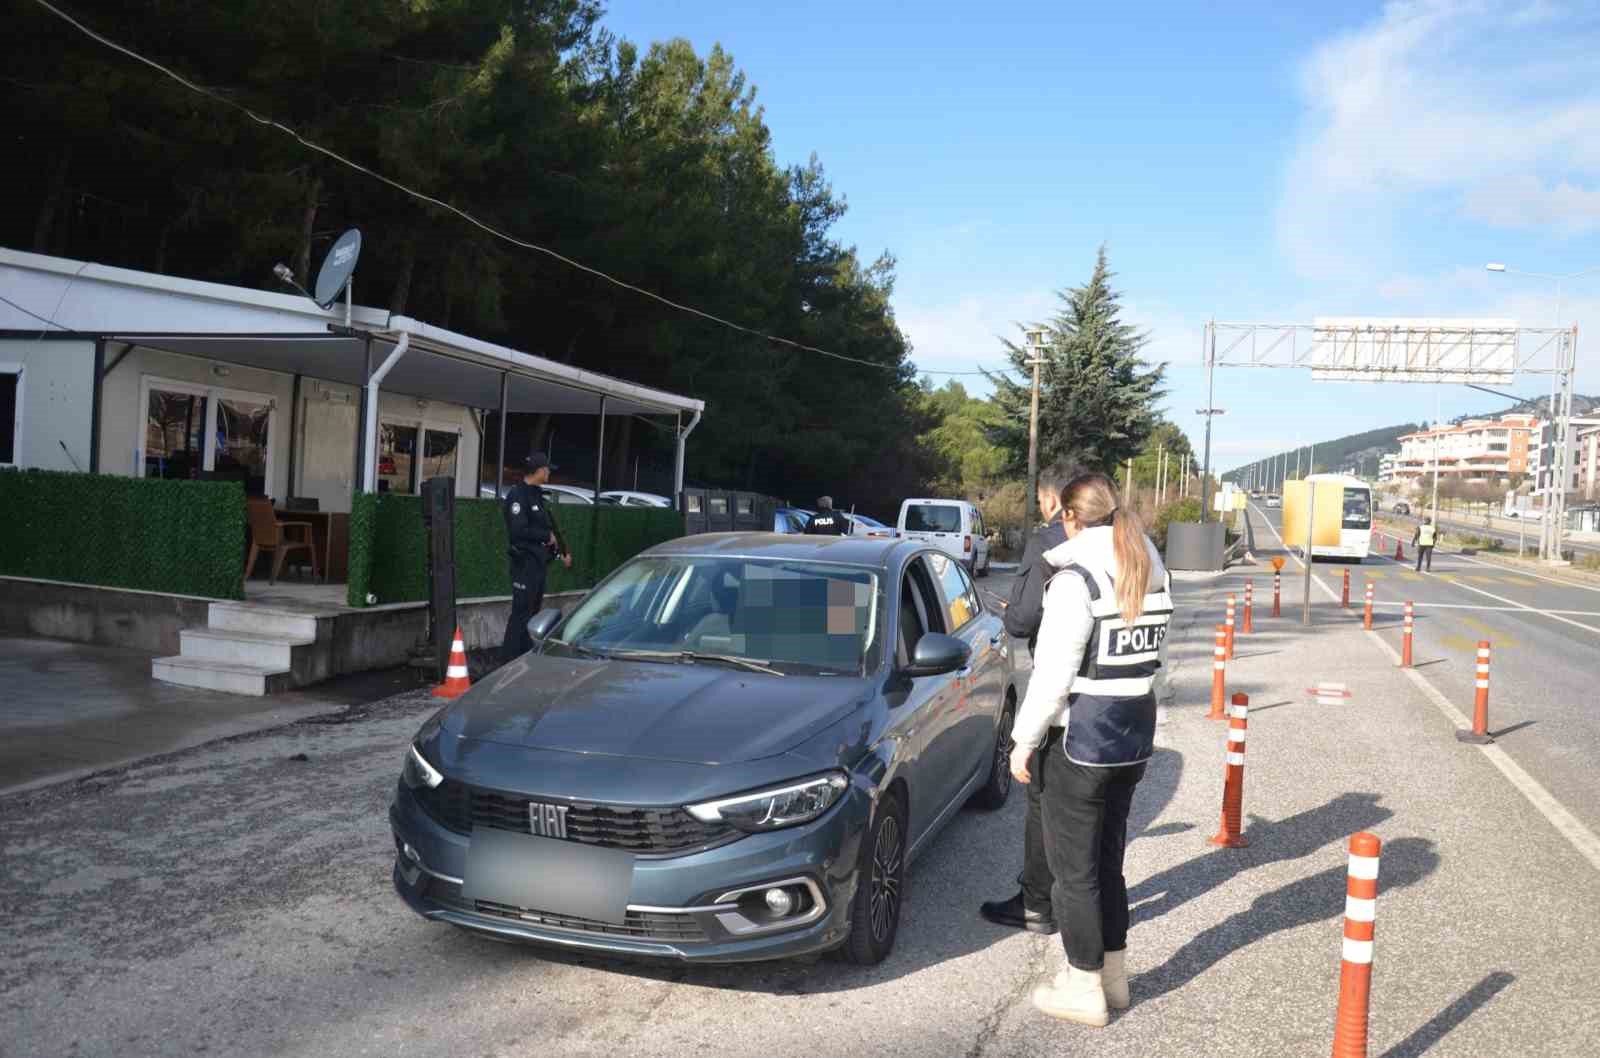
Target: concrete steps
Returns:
[[212, 675], [249, 650]]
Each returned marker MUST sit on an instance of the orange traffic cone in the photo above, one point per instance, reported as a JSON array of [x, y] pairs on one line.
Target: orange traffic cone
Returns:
[[1399, 550], [456, 683]]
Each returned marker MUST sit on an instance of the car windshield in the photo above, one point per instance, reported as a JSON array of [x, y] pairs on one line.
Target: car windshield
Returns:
[[1357, 509], [933, 518], [754, 614]]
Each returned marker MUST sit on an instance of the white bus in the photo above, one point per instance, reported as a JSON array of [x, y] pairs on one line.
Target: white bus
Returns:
[[1343, 514]]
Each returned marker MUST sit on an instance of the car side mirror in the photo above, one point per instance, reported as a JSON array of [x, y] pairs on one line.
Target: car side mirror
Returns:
[[936, 654], [543, 623]]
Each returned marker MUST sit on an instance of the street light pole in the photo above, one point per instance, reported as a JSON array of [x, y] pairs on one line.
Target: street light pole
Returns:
[[1036, 346], [1210, 345]]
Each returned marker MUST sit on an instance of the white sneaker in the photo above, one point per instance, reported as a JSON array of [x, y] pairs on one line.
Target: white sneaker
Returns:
[[1115, 979], [1074, 995]]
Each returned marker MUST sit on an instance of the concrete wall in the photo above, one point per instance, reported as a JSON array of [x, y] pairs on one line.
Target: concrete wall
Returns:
[[56, 400], [104, 616]]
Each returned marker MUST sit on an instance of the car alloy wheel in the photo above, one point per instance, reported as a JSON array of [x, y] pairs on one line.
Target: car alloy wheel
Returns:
[[884, 888], [880, 886], [993, 794]]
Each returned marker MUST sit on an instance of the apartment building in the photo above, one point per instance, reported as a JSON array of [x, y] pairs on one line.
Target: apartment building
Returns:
[[1478, 450], [1580, 432]]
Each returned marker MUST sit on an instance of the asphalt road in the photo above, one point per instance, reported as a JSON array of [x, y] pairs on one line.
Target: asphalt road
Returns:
[[234, 899], [1544, 682], [1459, 526]]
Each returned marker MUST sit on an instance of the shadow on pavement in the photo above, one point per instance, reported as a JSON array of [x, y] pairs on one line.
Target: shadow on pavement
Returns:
[[1504, 731], [1406, 861], [1270, 842], [1274, 705], [1451, 1016]]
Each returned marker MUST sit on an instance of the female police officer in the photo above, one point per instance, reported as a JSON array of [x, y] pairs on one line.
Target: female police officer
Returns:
[[531, 534], [1106, 612]]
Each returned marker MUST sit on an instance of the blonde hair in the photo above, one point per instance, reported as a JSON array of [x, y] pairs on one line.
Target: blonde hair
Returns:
[[1092, 499]]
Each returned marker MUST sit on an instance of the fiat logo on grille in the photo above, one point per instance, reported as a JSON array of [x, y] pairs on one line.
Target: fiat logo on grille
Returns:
[[547, 821]]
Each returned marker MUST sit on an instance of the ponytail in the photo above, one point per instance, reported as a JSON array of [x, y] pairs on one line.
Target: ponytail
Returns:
[[1092, 499]]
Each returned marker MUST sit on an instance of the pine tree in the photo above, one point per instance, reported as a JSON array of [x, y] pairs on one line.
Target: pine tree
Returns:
[[1097, 397]]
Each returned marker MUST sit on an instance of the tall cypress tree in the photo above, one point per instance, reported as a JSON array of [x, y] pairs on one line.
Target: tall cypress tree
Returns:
[[1097, 397]]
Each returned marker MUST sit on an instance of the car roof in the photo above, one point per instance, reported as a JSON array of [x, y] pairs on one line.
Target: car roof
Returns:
[[877, 553]]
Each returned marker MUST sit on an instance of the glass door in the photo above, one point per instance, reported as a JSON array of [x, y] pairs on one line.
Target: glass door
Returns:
[[175, 433]]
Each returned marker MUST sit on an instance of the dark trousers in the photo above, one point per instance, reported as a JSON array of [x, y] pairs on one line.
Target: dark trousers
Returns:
[[1425, 554], [1037, 881], [1085, 829], [527, 595]]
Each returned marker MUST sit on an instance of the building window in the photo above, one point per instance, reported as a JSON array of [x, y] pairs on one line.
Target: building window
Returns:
[[192, 432], [10, 414], [410, 453]]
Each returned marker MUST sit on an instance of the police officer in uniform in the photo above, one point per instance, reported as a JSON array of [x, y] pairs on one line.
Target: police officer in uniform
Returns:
[[1030, 909], [531, 533], [1107, 609], [827, 521], [1426, 536]]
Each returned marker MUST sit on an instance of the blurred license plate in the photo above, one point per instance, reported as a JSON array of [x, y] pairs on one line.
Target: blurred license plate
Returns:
[[548, 874]]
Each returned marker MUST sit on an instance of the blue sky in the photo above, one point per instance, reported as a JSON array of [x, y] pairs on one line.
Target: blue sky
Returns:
[[1248, 162]]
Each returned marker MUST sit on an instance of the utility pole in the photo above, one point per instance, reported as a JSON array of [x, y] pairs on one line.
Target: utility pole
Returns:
[[1127, 485], [1036, 346], [1210, 346]]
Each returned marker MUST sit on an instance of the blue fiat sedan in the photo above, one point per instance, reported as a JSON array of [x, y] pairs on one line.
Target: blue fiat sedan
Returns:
[[729, 751]]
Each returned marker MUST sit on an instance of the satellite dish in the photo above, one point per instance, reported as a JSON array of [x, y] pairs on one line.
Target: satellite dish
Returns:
[[337, 267]]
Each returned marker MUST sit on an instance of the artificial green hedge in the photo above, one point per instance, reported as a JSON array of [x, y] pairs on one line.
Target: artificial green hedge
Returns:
[[388, 548], [181, 537]]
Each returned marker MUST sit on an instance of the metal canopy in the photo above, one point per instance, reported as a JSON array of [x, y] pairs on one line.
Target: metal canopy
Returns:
[[425, 373]]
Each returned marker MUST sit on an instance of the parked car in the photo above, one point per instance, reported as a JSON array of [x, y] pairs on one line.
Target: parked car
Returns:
[[1402, 507], [626, 498], [953, 526], [1274, 502], [861, 525], [671, 773], [791, 519], [559, 493]]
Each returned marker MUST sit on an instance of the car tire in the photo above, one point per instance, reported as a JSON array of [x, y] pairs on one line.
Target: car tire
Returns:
[[880, 887], [996, 790]]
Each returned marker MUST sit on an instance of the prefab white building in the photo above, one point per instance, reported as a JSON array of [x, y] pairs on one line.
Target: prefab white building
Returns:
[[122, 372]]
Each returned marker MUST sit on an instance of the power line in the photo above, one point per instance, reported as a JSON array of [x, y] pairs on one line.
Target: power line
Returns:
[[440, 203]]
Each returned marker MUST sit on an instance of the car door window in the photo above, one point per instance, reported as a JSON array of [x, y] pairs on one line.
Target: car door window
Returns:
[[959, 596], [920, 611]]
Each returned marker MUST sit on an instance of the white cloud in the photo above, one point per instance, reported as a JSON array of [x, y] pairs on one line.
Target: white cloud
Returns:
[[1436, 108], [965, 334]]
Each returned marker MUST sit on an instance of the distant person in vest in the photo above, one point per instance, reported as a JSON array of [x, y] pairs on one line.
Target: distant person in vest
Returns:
[[1423, 540], [1030, 909], [827, 521], [531, 534], [1106, 612]]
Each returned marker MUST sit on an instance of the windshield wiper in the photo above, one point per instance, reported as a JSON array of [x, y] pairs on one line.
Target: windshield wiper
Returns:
[[753, 664]]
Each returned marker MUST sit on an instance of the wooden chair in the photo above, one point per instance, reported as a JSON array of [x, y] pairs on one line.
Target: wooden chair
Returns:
[[267, 535]]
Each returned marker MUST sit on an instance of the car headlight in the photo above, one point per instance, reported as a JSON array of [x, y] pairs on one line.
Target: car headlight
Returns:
[[417, 772], [779, 806]]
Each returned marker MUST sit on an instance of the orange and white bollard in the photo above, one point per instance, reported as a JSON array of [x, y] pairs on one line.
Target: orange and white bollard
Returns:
[[1249, 605], [1231, 833], [1480, 702], [1219, 665], [1366, 617], [1355, 966], [1399, 550], [1344, 596], [456, 682], [1405, 640], [1229, 623], [1277, 594]]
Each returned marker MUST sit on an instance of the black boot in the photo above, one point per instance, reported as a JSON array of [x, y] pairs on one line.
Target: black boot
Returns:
[[1015, 914]]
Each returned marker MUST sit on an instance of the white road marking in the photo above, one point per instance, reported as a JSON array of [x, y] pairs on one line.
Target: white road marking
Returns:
[[1380, 604], [1553, 615], [1567, 825]]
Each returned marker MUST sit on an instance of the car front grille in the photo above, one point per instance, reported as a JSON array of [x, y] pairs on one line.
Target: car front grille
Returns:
[[646, 831], [638, 925]]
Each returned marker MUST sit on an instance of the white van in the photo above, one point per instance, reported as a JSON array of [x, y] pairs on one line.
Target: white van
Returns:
[[953, 526]]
